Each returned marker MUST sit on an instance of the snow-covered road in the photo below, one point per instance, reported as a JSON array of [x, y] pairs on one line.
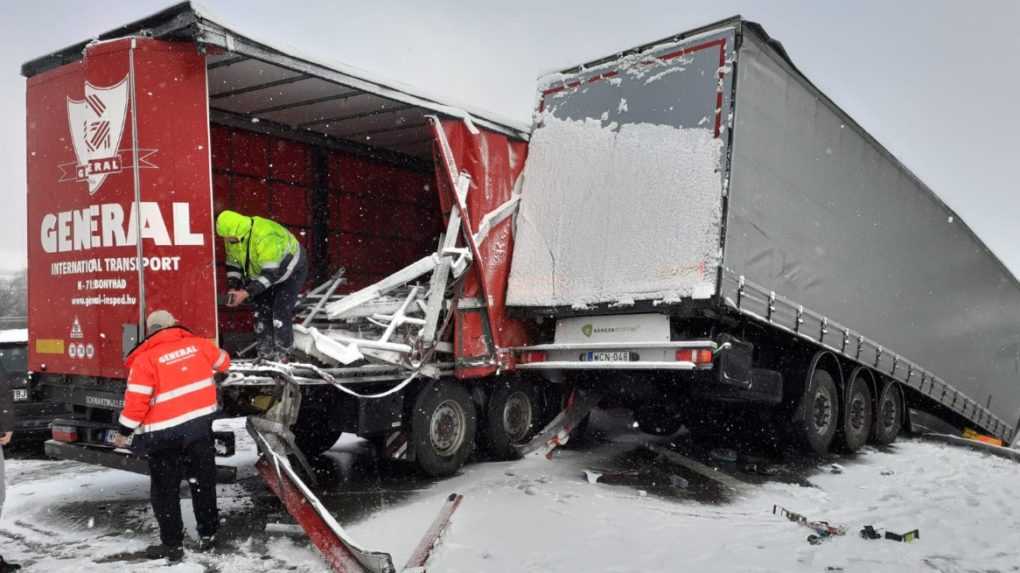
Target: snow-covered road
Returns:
[[645, 514]]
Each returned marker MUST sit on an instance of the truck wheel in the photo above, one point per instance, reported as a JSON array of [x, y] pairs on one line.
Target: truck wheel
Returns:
[[511, 417], [888, 415], [443, 427], [858, 415], [820, 406]]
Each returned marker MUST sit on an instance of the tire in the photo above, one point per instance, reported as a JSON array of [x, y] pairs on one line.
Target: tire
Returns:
[[313, 432], [820, 418], [888, 415], [511, 417], [858, 415], [443, 427], [658, 420]]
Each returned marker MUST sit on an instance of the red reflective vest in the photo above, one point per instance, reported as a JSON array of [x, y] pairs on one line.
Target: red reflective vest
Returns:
[[171, 380]]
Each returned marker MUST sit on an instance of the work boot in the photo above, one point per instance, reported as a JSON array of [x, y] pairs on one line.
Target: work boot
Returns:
[[5, 566], [207, 543], [168, 552]]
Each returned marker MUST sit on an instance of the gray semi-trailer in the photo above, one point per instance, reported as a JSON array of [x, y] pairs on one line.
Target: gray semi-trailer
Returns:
[[702, 223]]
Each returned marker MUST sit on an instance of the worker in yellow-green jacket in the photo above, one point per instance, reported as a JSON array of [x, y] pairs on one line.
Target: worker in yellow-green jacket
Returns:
[[266, 264]]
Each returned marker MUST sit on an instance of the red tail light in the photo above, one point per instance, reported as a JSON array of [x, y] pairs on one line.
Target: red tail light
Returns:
[[532, 356], [65, 433], [699, 356]]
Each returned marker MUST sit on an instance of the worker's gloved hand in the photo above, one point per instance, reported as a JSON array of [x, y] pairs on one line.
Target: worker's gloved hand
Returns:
[[120, 440], [236, 297]]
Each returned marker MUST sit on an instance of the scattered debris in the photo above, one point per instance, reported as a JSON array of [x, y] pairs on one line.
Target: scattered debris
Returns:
[[823, 530], [835, 469], [888, 472], [908, 537], [869, 532], [592, 476]]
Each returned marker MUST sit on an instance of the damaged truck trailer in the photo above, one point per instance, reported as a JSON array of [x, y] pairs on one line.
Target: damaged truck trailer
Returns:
[[136, 140], [701, 226], [691, 224]]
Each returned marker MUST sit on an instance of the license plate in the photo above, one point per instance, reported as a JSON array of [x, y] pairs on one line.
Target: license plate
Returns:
[[609, 356], [111, 434], [20, 394]]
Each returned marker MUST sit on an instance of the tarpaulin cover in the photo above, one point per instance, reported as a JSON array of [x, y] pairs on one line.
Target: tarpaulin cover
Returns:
[[494, 163]]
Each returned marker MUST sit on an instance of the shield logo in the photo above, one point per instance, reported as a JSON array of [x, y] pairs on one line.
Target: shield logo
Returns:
[[586, 330], [97, 126]]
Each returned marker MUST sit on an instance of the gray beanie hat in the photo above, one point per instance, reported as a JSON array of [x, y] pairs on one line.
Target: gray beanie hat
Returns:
[[158, 320]]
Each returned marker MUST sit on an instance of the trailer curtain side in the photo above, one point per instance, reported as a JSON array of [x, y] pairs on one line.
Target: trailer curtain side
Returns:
[[824, 217]]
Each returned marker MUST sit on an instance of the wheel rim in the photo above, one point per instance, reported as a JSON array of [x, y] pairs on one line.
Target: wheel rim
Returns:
[[822, 412], [517, 416], [857, 414], [446, 428]]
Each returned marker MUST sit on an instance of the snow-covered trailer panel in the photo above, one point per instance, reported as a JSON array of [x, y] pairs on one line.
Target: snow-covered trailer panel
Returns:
[[623, 188], [824, 217]]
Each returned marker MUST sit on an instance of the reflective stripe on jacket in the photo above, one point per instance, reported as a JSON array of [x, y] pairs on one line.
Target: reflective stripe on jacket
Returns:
[[170, 381], [266, 255]]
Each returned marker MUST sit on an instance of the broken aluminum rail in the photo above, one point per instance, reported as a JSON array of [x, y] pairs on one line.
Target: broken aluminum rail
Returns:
[[275, 440]]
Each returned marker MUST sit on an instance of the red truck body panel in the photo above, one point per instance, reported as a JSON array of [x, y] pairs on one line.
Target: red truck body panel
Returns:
[[81, 215]]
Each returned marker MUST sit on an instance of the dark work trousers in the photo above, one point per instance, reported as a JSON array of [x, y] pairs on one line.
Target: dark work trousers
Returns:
[[274, 313], [192, 458]]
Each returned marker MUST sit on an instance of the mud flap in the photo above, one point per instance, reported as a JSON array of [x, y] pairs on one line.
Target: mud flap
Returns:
[[557, 432]]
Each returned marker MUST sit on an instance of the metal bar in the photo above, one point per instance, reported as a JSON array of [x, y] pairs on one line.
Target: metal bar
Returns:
[[379, 130], [612, 345], [578, 365], [285, 106], [137, 180], [260, 87], [337, 281], [423, 550], [227, 62], [360, 115], [398, 317]]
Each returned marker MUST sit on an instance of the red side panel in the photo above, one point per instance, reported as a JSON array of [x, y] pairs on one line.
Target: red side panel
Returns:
[[494, 163], [81, 217]]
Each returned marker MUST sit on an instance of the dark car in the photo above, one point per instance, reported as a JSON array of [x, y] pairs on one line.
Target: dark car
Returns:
[[33, 415]]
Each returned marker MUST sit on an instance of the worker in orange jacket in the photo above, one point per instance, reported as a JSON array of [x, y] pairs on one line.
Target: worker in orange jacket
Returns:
[[169, 405]]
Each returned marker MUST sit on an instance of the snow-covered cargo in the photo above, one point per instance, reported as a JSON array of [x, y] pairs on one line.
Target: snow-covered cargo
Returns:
[[706, 170]]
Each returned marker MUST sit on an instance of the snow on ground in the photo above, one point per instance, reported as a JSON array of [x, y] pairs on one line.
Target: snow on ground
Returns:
[[538, 515]]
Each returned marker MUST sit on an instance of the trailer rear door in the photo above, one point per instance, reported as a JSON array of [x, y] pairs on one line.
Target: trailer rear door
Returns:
[[118, 149], [623, 186]]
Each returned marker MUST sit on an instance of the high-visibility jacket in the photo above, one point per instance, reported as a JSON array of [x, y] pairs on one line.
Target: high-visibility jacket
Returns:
[[170, 381], [266, 255]]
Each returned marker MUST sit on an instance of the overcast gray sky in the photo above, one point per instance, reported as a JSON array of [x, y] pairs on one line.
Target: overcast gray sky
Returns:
[[938, 82]]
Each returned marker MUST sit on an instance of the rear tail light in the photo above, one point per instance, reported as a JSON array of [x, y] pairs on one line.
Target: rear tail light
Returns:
[[699, 356], [65, 433], [533, 356]]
